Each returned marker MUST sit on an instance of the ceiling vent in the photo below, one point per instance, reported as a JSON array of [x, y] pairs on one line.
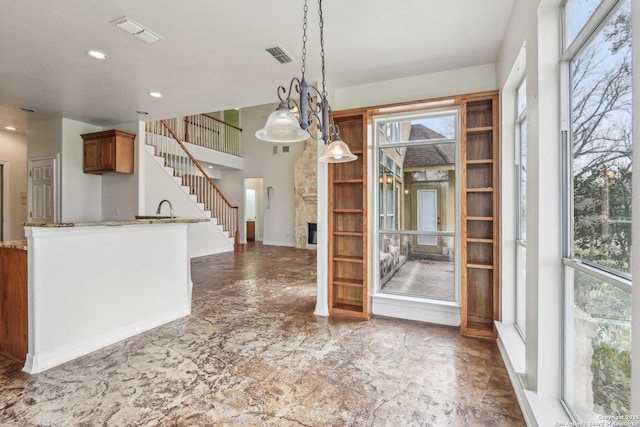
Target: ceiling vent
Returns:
[[280, 54], [141, 32]]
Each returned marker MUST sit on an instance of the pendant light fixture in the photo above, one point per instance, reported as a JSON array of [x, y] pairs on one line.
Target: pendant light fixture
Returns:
[[282, 125]]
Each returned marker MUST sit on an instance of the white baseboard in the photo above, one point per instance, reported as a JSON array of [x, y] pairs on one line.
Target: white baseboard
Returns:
[[273, 243], [424, 310], [42, 361], [197, 254]]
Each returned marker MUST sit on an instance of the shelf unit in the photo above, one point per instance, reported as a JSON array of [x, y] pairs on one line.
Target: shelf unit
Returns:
[[480, 220], [347, 221]]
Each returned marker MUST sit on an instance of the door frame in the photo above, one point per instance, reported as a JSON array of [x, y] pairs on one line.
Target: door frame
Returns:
[[57, 208]]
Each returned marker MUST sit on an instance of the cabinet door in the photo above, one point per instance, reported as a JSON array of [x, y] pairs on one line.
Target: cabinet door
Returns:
[[107, 154], [91, 156]]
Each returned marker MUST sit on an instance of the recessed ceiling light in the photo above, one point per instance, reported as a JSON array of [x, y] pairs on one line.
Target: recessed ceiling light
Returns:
[[11, 128], [28, 110], [210, 166], [155, 94], [96, 54], [144, 113]]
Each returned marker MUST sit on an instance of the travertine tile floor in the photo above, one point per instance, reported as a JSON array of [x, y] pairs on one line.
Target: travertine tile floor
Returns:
[[254, 354]]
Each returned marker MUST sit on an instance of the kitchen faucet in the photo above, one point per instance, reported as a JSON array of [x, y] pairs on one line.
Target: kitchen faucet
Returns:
[[170, 208]]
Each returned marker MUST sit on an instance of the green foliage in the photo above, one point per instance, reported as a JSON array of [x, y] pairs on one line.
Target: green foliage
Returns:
[[610, 307], [602, 212], [611, 380]]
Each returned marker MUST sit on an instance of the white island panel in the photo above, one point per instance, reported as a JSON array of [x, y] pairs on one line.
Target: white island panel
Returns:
[[93, 286]]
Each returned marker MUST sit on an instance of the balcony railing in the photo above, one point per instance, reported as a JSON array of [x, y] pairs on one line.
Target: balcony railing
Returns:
[[209, 132]]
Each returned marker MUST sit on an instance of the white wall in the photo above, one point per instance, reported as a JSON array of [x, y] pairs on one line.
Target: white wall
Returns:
[[447, 83], [86, 197], [277, 171], [44, 139], [204, 238], [81, 192], [13, 156], [120, 190]]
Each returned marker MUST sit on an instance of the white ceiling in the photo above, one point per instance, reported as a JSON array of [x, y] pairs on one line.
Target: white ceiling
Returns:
[[213, 54]]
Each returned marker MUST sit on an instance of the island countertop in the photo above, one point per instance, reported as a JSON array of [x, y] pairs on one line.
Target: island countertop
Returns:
[[141, 221], [14, 244]]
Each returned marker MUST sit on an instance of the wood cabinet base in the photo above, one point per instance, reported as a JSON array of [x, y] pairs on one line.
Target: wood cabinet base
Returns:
[[13, 304]]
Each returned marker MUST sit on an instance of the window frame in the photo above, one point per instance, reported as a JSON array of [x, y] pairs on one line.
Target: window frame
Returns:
[[571, 264], [520, 241]]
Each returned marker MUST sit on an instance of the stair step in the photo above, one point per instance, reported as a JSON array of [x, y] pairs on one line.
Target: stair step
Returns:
[[178, 180]]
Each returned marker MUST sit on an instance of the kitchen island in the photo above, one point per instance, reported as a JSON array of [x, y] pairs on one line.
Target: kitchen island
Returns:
[[93, 284]]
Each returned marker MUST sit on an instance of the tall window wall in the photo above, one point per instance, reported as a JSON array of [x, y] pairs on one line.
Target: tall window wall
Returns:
[[598, 149]]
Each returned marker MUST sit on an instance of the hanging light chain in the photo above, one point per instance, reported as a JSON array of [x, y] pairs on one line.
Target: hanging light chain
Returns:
[[304, 39], [324, 80]]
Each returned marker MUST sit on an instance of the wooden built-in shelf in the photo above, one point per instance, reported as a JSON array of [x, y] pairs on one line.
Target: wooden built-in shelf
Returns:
[[347, 241], [479, 218], [348, 282], [480, 129], [480, 162], [480, 208], [348, 181], [348, 233], [347, 309], [348, 259], [483, 266]]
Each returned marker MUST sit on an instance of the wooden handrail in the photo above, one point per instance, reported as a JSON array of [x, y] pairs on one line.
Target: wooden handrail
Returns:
[[221, 121], [186, 120], [193, 159]]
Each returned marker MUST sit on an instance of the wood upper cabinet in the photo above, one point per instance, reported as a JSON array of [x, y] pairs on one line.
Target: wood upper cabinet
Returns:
[[480, 220], [108, 151]]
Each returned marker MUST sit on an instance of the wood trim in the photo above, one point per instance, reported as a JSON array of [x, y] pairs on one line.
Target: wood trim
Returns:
[[222, 121], [416, 105]]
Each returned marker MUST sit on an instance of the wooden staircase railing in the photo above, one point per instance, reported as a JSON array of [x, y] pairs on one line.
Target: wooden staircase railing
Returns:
[[177, 156], [211, 132]]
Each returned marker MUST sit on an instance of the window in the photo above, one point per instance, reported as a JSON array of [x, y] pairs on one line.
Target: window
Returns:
[[521, 207], [417, 202], [598, 231]]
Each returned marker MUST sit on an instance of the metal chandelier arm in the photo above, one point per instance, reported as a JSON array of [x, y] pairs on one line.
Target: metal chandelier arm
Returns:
[[283, 127]]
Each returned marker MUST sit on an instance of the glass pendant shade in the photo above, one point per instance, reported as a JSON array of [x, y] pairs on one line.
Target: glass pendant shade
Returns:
[[338, 152], [282, 126]]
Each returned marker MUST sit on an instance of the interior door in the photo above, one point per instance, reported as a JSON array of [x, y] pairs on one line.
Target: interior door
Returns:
[[43, 190]]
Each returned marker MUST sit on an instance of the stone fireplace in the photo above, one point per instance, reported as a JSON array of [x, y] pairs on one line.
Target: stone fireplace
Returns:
[[306, 198]]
